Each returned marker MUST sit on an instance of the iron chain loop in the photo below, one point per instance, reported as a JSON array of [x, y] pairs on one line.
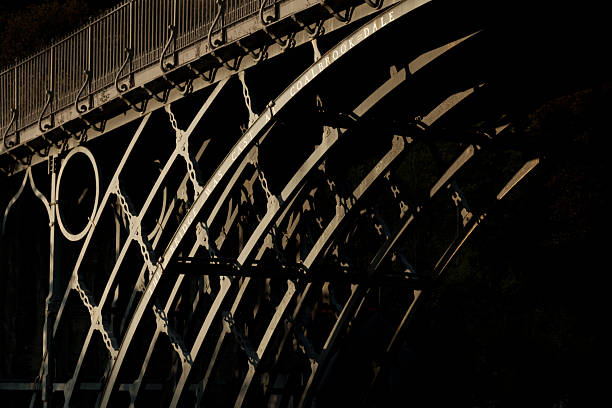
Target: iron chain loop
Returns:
[[182, 144], [247, 98], [243, 342]]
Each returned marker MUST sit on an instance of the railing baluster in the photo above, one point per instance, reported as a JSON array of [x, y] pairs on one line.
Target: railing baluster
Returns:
[[16, 102], [52, 80], [89, 48], [136, 30], [175, 30], [103, 44], [149, 29], [98, 50], [131, 37]]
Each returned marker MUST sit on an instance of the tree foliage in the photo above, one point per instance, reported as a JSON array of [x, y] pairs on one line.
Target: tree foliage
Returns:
[[30, 25]]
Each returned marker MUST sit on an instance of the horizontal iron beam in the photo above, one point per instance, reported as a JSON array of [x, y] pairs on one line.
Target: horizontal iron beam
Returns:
[[197, 66], [219, 267]]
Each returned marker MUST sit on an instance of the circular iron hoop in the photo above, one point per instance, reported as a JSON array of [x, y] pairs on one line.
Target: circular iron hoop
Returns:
[[70, 236]]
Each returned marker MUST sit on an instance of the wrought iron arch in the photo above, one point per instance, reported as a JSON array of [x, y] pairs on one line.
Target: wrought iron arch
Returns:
[[245, 259]]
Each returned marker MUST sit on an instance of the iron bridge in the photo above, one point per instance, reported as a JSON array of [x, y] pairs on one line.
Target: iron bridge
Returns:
[[240, 202]]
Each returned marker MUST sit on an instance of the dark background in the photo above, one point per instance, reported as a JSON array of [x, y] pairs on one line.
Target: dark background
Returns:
[[517, 320], [28, 25]]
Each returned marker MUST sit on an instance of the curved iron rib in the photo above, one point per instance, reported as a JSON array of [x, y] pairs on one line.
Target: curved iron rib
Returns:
[[247, 140], [219, 297], [361, 110], [451, 251], [419, 62], [27, 177], [357, 291], [378, 169], [397, 79], [74, 275], [135, 230]]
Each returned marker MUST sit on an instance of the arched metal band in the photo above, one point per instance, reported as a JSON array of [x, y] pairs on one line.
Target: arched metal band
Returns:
[[378, 169], [360, 110], [247, 139], [175, 286], [27, 177], [101, 207], [224, 283], [113, 189], [69, 235], [162, 213], [135, 386], [452, 251], [257, 235], [358, 291], [14, 199], [266, 221]]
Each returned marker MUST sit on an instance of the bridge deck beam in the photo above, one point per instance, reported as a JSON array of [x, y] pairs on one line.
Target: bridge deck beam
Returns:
[[199, 66]]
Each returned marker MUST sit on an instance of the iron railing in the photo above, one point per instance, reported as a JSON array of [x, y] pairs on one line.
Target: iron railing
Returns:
[[127, 38]]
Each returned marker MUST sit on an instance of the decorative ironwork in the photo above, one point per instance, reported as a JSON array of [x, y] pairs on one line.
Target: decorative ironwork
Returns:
[[278, 232], [130, 47], [266, 21], [214, 43], [47, 126], [342, 18]]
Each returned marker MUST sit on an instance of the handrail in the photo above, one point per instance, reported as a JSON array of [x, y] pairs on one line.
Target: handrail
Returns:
[[98, 48]]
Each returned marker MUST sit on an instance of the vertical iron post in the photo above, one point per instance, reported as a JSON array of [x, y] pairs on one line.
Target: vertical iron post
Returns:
[[50, 301], [131, 42], [50, 88], [175, 32], [16, 101], [51, 78], [88, 63]]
